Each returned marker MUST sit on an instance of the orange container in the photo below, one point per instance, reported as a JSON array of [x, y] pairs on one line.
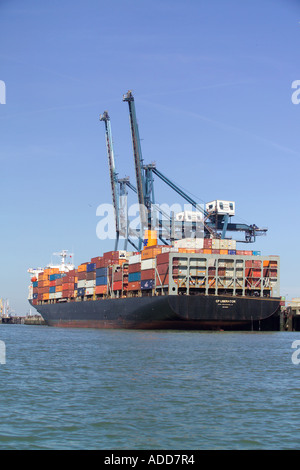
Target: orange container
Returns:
[[58, 289], [151, 252], [223, 252], [100, 289], [45, 296], [82, 267], [208, 251], [134, 285]]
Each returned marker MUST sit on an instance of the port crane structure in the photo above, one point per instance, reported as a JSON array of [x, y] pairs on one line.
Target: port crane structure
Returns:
[[216, 221]]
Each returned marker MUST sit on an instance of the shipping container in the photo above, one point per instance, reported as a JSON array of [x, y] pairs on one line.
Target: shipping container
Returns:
[[89, 291], [90, 267], [82, 267], [101, 281], [134, 268], [148, 264], [101, 272], [147, 284], [133, 277], [100, 290], [90, 284], [134, 286], [148, 274], [135, 259], [117, 285]]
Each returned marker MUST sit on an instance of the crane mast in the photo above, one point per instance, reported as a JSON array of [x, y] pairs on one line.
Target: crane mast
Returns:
[[112, 172], [138, 160]]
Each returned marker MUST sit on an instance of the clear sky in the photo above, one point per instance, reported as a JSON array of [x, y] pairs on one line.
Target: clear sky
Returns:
[[212, 85]]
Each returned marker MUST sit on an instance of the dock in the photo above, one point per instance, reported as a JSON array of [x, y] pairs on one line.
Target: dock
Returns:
[[25, 320]]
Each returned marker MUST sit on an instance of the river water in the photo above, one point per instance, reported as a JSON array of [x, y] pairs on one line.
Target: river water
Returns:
[[123, 389]]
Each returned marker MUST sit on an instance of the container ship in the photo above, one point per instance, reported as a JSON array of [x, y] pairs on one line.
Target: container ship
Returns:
[[185, 272], [161, 287]]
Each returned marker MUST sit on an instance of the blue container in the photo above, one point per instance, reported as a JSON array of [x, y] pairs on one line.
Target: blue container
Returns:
[[55, 276], [256, 253], [134, 277], [101, 272], [81, 292], [35, 284], [232, 252], [35, 296], [101, 281], [148, 284], [52, 289], [90, 267]]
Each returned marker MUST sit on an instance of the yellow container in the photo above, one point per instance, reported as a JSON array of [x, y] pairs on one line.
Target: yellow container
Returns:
[[82, 268], [150, 238]]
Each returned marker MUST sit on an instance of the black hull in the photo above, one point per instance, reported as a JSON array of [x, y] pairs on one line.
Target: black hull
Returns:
[[163, 312]]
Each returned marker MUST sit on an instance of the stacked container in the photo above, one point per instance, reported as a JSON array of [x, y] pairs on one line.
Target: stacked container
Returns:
[[134, 273]]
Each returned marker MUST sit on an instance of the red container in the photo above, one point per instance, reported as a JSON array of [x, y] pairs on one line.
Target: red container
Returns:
[[68, 286], [162, 258], [207, 243], [117, 285], [91, 276], [100, 289], [94, 260], [99, 262], [256, 273], [112, 255], [215, 252], [134, 286], [162, 279], [68, 293], [134, 268], [81, 276], [52, 283], [118, 276], [147, 274], [247, 253], [163, 268]]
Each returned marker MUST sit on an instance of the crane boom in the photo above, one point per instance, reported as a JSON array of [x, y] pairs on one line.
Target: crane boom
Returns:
[[138, 159], [112, 171]]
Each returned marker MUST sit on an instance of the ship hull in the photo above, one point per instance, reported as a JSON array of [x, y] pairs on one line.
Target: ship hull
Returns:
[[202, 312]]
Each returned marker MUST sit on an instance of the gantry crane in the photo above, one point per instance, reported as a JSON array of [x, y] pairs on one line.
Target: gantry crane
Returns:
[[216, 223], [112, 173], [118, 191]]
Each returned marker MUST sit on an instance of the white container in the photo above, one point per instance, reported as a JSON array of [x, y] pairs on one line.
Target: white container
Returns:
[[90, 284], [52, 295], [189, 243], [81, 283], [215, 244], [58, 295], [135, 259], [90, 291], [148, 264], [231, 244], [169, 249]]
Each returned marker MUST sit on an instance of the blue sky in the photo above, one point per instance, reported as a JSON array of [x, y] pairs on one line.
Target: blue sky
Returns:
[[212, 86]]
